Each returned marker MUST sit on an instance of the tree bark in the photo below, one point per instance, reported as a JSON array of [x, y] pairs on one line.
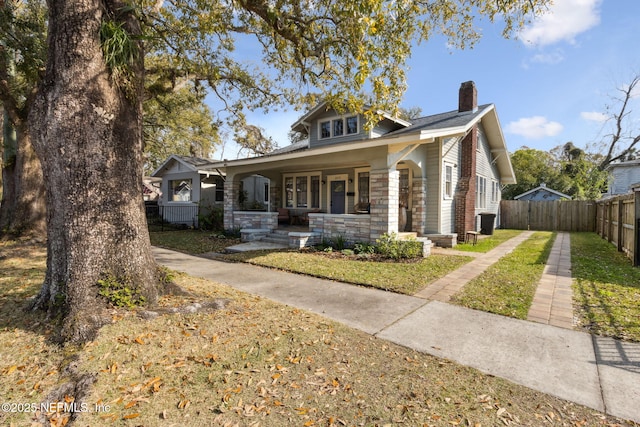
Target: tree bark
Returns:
[[87, 131], [23, 210]]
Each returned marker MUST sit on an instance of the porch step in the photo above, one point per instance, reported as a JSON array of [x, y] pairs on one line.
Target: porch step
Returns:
[[277, 237]]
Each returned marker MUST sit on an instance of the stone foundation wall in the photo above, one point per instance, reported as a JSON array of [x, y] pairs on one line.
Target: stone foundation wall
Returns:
[[255, 220], [353, 228]]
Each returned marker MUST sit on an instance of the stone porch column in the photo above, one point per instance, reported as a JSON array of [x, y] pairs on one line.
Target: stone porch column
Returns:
[[384, 192], [419, 205], [231, 191]]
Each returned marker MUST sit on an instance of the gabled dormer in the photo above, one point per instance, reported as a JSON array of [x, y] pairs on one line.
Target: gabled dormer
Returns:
[[325, 126]]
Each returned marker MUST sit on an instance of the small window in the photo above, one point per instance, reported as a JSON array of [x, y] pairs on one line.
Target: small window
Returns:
[[325, 130], [481, 192], [338, 127], [352, 125], [219, 183], [495, 192], [448, 181], [180, 190]]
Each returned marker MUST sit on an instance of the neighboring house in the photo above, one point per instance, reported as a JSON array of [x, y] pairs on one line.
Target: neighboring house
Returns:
[[432, 176], [193, 186], [622, 176], [151, 189], [542, 193]]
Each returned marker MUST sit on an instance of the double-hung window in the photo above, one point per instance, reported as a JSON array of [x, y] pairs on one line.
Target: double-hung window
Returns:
[[448, 181], [481, 192]]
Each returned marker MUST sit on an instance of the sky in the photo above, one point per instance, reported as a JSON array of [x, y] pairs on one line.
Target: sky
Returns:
[[550, 85]]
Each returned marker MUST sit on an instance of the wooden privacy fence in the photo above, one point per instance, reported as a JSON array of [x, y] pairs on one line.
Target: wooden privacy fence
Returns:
[[548, 215], [618, 222], [616, 219]]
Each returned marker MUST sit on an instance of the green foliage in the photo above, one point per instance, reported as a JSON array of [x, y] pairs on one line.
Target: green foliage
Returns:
[[120, 292], [362, 248], [213, 220], [389, 246], [566, 169], [339, 243], [120, 52]]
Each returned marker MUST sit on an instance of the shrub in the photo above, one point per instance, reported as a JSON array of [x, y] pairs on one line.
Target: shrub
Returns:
[[389, 246], [214, 220]]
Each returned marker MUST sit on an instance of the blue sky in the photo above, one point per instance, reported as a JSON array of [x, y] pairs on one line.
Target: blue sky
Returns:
[[550, 86]]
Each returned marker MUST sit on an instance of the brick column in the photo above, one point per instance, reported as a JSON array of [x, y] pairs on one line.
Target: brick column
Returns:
[[419, 205], [465, 197], [231, 191], [384, 192]]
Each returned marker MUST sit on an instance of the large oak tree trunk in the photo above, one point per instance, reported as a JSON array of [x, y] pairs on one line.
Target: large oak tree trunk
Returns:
[[22, 211], [87, 131]]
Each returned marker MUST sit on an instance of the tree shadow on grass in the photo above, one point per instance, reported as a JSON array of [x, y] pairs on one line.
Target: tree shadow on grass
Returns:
[[22, 270], [606, 287]]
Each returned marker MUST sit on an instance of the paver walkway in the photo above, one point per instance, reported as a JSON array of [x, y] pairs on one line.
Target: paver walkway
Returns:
[[553, 300], [444, 288]]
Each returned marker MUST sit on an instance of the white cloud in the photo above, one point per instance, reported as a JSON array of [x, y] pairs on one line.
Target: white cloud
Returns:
[[535, 127], [548, 58], [564, 21], [594, 116]]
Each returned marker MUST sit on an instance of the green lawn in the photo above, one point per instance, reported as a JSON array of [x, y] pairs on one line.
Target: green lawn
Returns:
[[485, 244], [606, 288], [402, 277], [191, 241], [508, 286]]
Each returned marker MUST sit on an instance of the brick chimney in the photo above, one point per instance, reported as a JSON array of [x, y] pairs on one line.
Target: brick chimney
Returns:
[[467, 97], [465, 196]]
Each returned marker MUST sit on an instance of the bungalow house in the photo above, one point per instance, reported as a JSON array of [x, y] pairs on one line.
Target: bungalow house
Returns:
[[191, 186], [431, 176], [542, 193]]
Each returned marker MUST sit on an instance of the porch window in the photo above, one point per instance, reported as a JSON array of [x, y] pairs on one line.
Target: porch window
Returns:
[[448, 181], [481, 192], [302, 190], [288, 188], [219, 183], [180, 190], [315, 191], [363, 187], [404, 187]]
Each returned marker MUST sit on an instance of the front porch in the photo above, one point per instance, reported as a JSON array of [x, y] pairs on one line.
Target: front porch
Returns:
[[353, 228]]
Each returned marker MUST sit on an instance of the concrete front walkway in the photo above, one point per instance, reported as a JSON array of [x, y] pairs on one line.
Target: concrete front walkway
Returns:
[[600, 373]]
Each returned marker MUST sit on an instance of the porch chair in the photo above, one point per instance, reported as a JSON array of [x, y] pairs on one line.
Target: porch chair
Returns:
[[283, 215]]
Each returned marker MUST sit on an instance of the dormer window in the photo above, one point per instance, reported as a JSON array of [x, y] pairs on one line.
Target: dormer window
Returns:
[[342, 126]]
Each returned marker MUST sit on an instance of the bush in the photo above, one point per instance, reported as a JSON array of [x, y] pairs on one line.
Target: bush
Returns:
[[389, 246], [214, 220]]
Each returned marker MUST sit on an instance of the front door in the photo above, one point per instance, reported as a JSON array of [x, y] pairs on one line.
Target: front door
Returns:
[[338, 192]]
